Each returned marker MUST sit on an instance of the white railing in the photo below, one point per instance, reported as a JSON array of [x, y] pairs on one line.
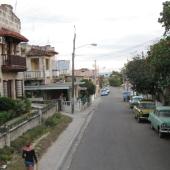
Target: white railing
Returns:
[[33, 75], [78, 106]]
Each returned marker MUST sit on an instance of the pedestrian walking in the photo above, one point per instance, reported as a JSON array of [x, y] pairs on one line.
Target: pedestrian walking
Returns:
[[29, 156]]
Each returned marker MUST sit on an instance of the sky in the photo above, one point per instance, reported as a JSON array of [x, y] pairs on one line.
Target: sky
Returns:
[[121, 29]]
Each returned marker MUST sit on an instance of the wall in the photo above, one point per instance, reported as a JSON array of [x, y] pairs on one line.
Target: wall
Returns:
[[8, 19], [15, 132]]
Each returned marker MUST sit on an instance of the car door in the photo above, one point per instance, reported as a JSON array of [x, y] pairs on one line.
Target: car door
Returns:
[[156, 119]]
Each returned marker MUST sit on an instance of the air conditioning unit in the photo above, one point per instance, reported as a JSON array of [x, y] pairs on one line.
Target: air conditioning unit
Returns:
[[2, 40]]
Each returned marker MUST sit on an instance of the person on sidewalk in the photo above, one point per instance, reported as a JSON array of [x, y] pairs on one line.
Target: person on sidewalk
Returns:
[[29, 156]]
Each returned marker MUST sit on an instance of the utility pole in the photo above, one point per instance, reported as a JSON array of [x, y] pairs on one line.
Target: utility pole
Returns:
[[73, 56]]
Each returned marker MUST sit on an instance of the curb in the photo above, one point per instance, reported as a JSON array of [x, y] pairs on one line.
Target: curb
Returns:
[[67, 159], [65, 162]]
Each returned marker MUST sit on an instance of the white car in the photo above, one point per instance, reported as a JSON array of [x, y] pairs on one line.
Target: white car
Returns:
[[104, 92]]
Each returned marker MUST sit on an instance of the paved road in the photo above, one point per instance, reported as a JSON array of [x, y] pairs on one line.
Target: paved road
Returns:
[[115, 141]]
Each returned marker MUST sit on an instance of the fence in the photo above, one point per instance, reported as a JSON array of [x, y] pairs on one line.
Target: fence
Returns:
[[78, 105], [13, 131]]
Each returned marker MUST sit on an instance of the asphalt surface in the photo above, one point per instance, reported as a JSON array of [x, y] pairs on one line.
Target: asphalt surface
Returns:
[[114, 140]]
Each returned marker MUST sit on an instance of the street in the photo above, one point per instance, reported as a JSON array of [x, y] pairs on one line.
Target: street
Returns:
[[114, 140]]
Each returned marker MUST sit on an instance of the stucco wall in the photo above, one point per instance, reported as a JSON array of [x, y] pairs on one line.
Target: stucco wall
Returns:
[[17, 131], [8, 19]]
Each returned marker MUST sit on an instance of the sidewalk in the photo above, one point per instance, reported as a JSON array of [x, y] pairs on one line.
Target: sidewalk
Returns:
[[56, 158]]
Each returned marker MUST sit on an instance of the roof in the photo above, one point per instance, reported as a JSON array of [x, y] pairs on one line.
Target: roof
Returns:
[[8, 33], [54, 86], [40, 52]]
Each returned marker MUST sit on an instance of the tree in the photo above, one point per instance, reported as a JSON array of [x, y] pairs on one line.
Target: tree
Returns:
[[115, 78], [90, 88], [138, 72], [159, 60], [165, 17]]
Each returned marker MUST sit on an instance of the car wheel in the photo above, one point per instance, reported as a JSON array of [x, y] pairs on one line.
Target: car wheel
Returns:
[[160, 133]]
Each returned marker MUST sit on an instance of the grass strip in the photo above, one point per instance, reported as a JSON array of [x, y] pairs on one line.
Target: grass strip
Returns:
[[42, 136]]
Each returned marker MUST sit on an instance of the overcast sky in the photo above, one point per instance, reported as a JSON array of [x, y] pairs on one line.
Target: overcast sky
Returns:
[[120, 28]]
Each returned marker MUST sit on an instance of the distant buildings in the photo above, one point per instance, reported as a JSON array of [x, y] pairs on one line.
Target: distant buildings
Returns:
[[63, 66], [86, 73]]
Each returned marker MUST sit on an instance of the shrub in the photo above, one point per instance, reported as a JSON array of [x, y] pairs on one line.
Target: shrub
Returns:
[[6, 153], [22, 107], [6, 104], [5, 116], [53, 121]]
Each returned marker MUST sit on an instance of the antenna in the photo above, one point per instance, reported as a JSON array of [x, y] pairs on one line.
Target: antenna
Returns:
[[15, 6]]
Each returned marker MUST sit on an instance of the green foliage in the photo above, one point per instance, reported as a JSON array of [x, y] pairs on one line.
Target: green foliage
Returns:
[[53, 121], [36, 132], [165, 16], [22, 106], [5, 116], [115, 79], [6, 153], [6, 104], [139, 74], [10, 108], [159, 60], [30, 135], [91, 88]]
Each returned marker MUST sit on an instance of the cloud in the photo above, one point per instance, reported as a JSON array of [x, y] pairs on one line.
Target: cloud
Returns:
[[49, 19]]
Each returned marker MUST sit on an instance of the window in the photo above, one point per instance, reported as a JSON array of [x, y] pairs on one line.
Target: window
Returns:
[[47, 64], [35, 64]]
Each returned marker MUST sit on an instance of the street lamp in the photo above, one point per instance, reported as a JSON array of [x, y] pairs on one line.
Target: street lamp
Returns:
[[73, 56]]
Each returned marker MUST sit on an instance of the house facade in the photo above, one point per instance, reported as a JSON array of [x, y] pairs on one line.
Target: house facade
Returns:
[[12, 62], [90, 75]]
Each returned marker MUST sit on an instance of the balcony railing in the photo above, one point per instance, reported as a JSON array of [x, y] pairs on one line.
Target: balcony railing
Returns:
[[32, 75], [13, 63]]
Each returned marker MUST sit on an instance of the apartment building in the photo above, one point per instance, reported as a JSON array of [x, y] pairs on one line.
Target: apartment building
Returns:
[[86, 73], [12, 62], [39, 61]]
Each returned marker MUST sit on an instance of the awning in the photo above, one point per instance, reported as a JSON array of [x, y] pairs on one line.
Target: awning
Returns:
[[47, 87], [8, 33]]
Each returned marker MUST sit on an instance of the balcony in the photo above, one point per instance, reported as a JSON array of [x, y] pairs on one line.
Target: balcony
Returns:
[[13, 63], [33, 75]]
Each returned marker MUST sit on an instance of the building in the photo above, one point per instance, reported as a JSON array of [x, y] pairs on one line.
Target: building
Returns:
[[62, 66], [90, 75], [39, 64], [12, 62], [86, 73]]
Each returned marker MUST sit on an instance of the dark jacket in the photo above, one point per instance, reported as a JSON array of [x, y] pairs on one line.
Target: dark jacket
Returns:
[[29, 154]]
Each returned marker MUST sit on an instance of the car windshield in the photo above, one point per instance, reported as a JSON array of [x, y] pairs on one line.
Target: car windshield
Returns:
[[147, 105], [164, 113]]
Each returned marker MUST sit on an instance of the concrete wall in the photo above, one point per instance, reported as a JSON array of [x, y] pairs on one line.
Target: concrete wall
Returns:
[[8, 19], [15, 132]]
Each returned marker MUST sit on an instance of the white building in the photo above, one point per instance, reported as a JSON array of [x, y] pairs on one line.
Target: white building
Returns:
[[12, 62]]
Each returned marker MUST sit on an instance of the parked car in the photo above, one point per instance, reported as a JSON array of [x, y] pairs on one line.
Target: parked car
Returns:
[[142, 109], [103, 92], [107, 89], [160, 120], [126, 96], [134, 101]]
